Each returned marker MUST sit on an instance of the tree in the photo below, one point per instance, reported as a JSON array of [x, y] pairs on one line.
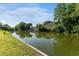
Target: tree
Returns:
[[28, 26], [41, 27], [59, 12], [22, 26], [76, 29], [7, 27], [68, 15], [0, 25]]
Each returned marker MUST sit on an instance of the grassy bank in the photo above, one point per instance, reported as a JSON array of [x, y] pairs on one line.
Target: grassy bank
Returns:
[[10, 46]]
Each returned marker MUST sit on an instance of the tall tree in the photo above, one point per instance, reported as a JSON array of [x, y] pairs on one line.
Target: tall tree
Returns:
[[65, 15]]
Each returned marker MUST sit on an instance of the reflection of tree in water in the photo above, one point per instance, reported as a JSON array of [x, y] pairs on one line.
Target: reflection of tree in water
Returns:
[[43, 35], [24, 34], [66, 44]]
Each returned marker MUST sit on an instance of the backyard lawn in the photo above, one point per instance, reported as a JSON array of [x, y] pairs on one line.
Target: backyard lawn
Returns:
[[10, 46]]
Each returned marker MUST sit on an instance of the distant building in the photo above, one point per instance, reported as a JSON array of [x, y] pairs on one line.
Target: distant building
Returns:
[[47, 22]]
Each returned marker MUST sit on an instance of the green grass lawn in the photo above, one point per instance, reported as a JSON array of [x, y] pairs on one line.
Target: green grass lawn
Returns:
[[10, 46]]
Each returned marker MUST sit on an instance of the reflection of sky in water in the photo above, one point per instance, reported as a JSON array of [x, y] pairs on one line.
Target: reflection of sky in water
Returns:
[[54, 43], [43, 44]]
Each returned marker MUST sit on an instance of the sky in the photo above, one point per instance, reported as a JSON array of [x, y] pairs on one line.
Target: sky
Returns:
[[34, 13]]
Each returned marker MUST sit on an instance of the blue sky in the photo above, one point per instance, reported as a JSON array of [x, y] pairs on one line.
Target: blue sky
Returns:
[[33, 13]]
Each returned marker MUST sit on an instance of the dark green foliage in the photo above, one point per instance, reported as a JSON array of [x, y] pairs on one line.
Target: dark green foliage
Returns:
[[6, 27], [41, 27], [22, 26], [0, 25], [68, 15], [76, 29]]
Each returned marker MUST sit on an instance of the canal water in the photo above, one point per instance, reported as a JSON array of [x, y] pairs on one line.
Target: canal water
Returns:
[[52, 44]]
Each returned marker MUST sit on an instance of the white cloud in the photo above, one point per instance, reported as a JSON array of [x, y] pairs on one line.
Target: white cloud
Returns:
[[31, 14]]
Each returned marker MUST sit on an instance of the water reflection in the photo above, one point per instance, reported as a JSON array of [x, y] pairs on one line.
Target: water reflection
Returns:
[[43, 35], [67, 45], [53, 43], [23, 34]]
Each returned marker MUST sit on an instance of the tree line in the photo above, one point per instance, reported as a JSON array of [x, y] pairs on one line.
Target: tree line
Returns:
[[5, 27], [22, 26], [66, 20]]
